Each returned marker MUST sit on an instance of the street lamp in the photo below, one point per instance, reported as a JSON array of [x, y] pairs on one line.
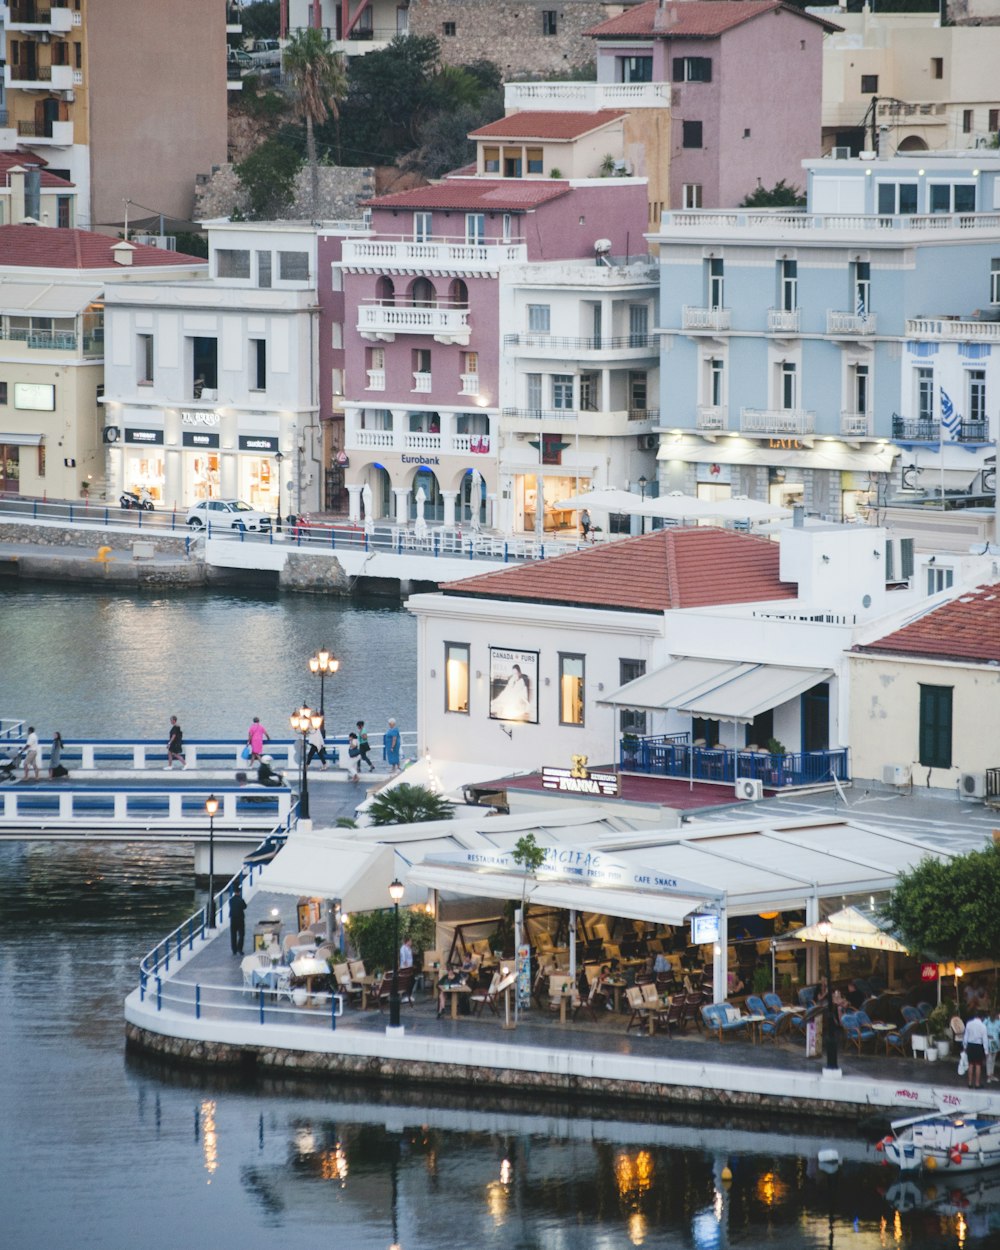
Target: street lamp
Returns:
[[832, 1066], [396, 891], [325, 664], [642, 487], [303, 721], [278, 457], [211, 806]]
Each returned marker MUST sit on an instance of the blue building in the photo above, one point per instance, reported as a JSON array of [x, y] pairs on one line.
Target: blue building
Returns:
[[839, 356]]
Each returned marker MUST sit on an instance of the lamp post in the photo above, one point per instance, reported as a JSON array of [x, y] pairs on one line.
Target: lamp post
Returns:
[[303, 721], [278, 457], [396, 890], [325, 664], [211, 806], [832, 1067], [642, 497]]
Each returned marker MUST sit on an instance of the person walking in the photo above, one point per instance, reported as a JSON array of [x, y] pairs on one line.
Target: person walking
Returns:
[[56, 769], [585, 524], [257, 735], [317, 747], [175, 745], [406, 954], [390, 746], [993, 1044], [364, 747], [237, 921], [31, 754], [974, 1043]]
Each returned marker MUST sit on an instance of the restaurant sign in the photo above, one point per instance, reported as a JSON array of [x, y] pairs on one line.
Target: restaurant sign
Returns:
[[200, 417], [928, 972], [581, 780]]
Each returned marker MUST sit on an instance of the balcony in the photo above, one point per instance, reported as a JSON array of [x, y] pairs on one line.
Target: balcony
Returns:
[[583, 421], [945, 329], [58, 134], [850, 324], [371, 440], [706, 318], [376, 379], [712, 417], [927, 430], [436, 256], [671, 755], [50, 18], [777, 421], [584, 97], [234, 18], [783, 320], [469, 384], [89, 343], [715, 226], [856, 424], [536, 344], [422, 382], [417, 441], [384, 321], [38, 77], [473, 444]]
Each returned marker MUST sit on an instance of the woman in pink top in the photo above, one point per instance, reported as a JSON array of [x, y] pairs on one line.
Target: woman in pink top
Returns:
[[256, 737]]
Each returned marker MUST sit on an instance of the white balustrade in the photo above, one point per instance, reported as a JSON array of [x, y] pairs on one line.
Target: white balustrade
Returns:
[[849, 323], [783, 320], [712, 417], [470, 383], [777, 421], [371, 440], [452, 323], [945, 328], [855, 424], [415, 440], [706, 318], [422, 382], [403, 254], [585, 96], [376, 379]]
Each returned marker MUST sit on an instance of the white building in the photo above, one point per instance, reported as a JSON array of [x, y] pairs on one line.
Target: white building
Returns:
[[211, 385]]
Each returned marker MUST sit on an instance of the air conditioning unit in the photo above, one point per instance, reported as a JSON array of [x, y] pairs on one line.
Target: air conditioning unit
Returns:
[[972, 785], [649, 442], [749, 788], [841, 154], [896, 774]]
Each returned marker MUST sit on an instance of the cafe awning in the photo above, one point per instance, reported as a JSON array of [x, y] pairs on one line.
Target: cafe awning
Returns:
[[835, 456], [322, 865], [850, 927]]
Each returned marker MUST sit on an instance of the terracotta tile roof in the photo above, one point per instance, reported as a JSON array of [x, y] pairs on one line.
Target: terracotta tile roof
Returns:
[[672, 568], [28, 159], [692, 19], [45, 247], [967, 628], [503, 194], [530, 125]]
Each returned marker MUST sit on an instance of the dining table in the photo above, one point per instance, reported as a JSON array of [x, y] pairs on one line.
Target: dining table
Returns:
[[454, 991], [307, 968]]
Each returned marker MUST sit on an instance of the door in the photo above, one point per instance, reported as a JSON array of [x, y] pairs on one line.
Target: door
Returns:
[[816, 718]]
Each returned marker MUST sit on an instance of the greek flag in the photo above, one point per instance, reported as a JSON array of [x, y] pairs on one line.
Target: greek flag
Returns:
[[860, 309], [951, 421]]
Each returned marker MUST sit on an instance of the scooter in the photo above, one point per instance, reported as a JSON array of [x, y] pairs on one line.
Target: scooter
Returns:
[[137, 499]]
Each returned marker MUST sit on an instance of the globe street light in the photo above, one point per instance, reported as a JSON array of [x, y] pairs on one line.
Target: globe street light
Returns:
[[304, 720], [325, 663], [278, 457], [396, 891], [832, 1066], [211, 806]]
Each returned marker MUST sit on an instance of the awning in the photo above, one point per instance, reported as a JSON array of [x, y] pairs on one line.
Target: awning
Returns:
[[850, 927], [837, 458], [321, 865], [716, 689], [21, 440], [45, 299]]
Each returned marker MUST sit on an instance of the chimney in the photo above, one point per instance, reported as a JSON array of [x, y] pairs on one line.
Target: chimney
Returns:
[[15, 180], [123, 252], [798, 516]]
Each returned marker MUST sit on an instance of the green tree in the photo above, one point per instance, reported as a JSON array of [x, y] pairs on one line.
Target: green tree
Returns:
[[191, 243], [268, 176], [372, 934], [261, 20], [779, 196], [530, 856], [444, 137], [320, 82], [949, 909], [391, 95], [405, 804]]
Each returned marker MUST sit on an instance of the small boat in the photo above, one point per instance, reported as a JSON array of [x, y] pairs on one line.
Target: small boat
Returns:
[[948, 1141]]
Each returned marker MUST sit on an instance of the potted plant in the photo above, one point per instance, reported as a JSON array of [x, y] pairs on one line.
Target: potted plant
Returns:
[[939, 1030], [775, 747], [762, 980]]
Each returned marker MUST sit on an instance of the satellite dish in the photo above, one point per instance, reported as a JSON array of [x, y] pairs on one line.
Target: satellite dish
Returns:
[[602, 246]]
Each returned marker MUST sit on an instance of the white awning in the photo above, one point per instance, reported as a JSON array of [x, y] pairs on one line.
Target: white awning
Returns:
[[45, 299], [830, 456], [717, 690], [21, 440], [322, 865]]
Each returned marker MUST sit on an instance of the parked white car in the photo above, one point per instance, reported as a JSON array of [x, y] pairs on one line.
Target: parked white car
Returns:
[[227, 514]]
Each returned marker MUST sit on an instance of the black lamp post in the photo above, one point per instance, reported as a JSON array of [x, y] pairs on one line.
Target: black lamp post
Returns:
[[303, 721], [278, 457], [642, 487], [832, 1066], [325, 664], [396, 890], [211, 806]]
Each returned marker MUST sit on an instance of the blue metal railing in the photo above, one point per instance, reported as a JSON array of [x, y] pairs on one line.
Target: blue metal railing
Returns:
[[672, 755]]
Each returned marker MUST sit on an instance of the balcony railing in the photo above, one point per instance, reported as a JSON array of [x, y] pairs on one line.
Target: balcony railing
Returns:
[[422, 382], [706, 318], [585, 96], [51, 16], [777, 421], [89, 343], [372, 440], [855, 424], [778, 225], [404, 255], [927, 430], [417, 440], [783, 320], [602, 343], [945, 328], [849, 323], [595, 416], [670, 755], [448, 324], [474, 444], [470, 384], [712, 417], [376, 379], [58, 77]]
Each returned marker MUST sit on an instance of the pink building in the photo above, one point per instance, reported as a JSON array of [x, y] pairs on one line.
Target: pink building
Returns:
[[423, 335]]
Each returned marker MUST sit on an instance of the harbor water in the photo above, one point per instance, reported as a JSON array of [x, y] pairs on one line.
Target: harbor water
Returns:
[[102, 1150]]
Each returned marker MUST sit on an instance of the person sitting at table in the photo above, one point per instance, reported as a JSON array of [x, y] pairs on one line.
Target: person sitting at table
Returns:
[[605, 991], [822, 992], [266, 775], [735, 983], [854, 996], [453, 976], [840, 1004]]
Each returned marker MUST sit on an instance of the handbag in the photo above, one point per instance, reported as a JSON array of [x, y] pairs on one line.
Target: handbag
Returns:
[[354, 752], [963, 1063], [245, 753]]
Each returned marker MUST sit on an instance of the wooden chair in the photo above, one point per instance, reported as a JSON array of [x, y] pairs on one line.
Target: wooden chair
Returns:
[[588, 1004], [692, 1010], [638, 1007], [487, 997]]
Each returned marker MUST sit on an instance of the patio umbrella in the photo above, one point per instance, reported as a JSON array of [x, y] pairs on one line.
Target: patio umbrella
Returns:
[[366, 500], [605, 499], [420, 526], [475, 498], [678, 507], [741, 509], [851, 927]]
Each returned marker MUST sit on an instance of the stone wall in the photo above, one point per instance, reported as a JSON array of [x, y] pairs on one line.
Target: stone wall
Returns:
[[59, 536], [341, 190], [310, 573]]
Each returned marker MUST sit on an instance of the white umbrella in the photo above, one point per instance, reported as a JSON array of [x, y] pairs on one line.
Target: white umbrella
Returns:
[[475, 498], [420, 526], [741, 509], [366, 500], [677, 507], [605, 499]]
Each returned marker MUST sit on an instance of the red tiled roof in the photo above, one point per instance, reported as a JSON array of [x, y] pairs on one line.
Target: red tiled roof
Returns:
[[672, 568], [45, 247], [28, 160], [692, 19], [502, 194], [529, 125], [967, 628]]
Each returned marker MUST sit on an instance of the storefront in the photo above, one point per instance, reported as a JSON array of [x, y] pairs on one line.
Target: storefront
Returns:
[[258, 472], [554, 490], [201, 466], [144, 462]]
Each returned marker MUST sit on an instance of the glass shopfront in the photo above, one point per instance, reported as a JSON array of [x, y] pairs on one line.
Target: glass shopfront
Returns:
[[201, 466], [258, 472], [10, 468], [144, 462], [553, 490]]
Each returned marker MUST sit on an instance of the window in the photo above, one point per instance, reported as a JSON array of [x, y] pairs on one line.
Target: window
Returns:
[[635, 69], [994, 120], [41, 459], [939, 579], [448, 30], [966, 121], [869, 84], [376, 357], [925, 394], [716, 285], [788, 378], [475, 227], [862, 287], [293, 266], [570, 689], [550, 25], [512, 162], [897, 197], [562, 390], [63, 210], [704, 732], [423, 294], [264, 270], [691, 132], [491, 160], [638, 325], [760, 731], [422, 360], [336, 381], [205, 365], [860, 397], [589, 390], [693, 69], [977, 395], [630, 721], [949, 197], [422, 227], [145, 359], [995, 280], [78, 55], [535, 158], [937, 66], [337, 335], [935, 726], [506, 223], [456, 677], [788, 277], [533, 391], [3, 393], [258, 364], [692, 195], [232, 264], [539, 318], [470, 362], [638, 390]]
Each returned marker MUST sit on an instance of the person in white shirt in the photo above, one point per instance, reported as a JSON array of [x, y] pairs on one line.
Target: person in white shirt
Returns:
[[406, 954], [31, 753], [975, 1041]]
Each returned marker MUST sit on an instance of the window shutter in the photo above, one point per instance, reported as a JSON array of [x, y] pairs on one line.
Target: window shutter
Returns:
[[890, 573], [906, 556], [678, 69], [706, 69]]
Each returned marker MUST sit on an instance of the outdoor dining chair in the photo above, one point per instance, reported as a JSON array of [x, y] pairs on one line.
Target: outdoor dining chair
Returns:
[[486, 997]]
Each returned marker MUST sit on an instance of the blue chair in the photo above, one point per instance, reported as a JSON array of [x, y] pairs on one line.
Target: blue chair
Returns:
[[911, 1015], [720, 1019], [799, 1022], [899, 1038], [857, 1028], [807, 995], [774, 1006], [925, 1010], [776, 1027], [755, 1005]]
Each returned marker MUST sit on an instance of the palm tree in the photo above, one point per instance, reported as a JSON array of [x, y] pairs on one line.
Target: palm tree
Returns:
[[320, 84], [407, 805]]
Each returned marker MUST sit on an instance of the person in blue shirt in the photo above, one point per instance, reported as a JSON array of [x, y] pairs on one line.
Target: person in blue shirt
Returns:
[[390, 746]]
